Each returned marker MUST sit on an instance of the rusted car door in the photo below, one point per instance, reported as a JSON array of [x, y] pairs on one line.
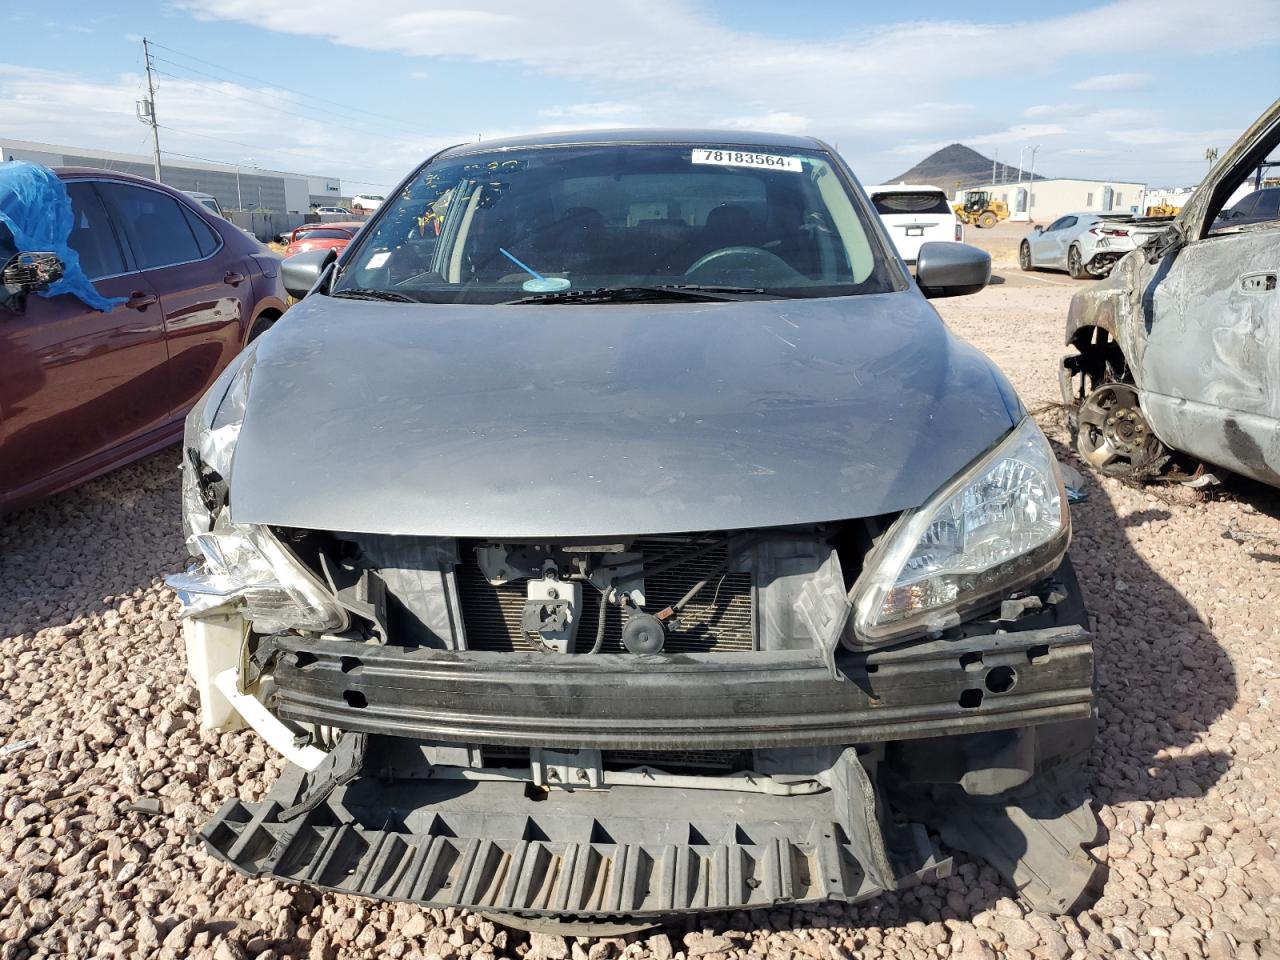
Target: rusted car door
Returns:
[[202, 291], [76, 384]]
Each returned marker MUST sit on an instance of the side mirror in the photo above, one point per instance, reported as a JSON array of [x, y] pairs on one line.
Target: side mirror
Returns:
[[1039, 229], [951, 269], [31, 272], [301, 271]]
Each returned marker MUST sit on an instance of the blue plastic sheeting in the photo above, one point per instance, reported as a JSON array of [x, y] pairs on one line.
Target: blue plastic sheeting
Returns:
[[35, 207]]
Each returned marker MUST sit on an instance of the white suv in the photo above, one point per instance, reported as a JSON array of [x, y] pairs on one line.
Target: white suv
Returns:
[[915, 214], [366, 202]]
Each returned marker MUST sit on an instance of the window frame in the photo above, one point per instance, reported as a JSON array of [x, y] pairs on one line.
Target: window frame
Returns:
[[123, 234]]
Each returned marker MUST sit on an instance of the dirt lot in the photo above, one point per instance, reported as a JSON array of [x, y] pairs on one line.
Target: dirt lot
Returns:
[[1185, 771]]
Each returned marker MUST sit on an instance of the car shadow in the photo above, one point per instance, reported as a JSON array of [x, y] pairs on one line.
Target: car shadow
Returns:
[[1162, 679]]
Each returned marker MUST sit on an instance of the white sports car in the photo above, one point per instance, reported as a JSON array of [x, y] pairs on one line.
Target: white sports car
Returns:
[[1083, 244]]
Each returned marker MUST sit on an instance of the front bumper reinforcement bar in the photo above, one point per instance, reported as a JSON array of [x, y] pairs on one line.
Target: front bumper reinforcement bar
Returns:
[[692, 701]]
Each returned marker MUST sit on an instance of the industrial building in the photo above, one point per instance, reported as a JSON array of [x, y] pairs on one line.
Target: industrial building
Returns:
[[237, 187], [1041, 201]]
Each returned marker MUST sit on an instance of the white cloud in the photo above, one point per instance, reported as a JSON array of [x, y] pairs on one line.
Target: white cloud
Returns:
[[222, 121], [671, 63], [1040, 110], [1117, 82], [670, 59]]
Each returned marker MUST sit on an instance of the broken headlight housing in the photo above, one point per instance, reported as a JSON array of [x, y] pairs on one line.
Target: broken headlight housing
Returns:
[[1001, 524], [245, 566]]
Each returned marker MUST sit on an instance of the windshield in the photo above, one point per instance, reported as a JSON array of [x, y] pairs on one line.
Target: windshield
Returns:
[[924, 201], [496, 227]]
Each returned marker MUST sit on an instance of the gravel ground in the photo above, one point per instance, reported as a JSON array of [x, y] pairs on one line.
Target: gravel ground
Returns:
[[96, 814]]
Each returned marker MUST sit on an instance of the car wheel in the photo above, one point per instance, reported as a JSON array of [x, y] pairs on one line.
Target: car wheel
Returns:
[[988, 220], [1113, 435], [263, 324], [1024, 256], [1075, 268]]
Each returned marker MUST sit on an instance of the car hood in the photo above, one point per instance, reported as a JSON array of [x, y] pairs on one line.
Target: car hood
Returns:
[[597, 420]]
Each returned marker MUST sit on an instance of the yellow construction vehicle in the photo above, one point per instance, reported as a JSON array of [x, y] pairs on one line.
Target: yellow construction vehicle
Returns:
[[979, 209], [1162, 210]]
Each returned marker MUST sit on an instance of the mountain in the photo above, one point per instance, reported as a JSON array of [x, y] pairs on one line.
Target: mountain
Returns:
[[958, 167]]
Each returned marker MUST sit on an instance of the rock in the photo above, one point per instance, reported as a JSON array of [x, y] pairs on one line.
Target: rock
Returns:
[[1190, 831], [414, 927], [181, 936], [660, 947], [545, 947], [1017, 933]]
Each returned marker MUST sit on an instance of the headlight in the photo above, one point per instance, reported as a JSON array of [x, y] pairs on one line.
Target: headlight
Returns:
[[246, 566], [1001, 524]]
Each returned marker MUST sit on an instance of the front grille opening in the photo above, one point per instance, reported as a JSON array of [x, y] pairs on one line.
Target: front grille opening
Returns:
[[674, 761], [717, 620]]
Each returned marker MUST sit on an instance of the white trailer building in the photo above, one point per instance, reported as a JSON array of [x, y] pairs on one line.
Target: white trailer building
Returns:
[[1040, 201]]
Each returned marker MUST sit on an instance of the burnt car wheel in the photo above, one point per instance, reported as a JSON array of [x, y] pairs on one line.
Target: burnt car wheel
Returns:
[[1024, 256], [1113, 434], [1075, 268]]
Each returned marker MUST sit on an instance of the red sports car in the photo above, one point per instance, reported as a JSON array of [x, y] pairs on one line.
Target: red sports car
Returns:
[[322, 236], [83, 391]]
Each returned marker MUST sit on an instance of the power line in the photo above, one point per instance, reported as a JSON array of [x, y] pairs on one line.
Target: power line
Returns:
[[359, 111], [226, 93], [250, 146]]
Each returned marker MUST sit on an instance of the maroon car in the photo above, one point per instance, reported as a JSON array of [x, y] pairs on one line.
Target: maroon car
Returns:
[[84, 391]]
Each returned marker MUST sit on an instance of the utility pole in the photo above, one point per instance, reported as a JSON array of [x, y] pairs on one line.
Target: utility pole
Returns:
[[151, 108], [1211, 154], [994, 153], [1021, 151]]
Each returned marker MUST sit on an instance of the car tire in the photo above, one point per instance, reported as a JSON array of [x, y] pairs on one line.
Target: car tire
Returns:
[[1075, 269], [1024, 256], [261, 326], [987, 220], [1111, 433]]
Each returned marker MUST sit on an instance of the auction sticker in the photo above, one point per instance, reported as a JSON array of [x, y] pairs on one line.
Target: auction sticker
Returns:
[[723, 157]]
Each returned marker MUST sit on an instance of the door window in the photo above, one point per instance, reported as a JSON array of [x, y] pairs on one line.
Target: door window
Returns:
[[92, 235], [207, 238], [158, 232]]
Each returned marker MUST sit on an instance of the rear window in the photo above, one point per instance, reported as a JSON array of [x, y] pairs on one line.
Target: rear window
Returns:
[[923, 201], [323, 234]]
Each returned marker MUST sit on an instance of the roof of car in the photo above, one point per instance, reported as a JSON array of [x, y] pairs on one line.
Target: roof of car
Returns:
[[904, 188], [339, 224], [737, 138], [110, 174]]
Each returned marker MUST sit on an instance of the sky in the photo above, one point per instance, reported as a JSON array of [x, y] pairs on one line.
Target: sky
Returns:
[[1127, 89]]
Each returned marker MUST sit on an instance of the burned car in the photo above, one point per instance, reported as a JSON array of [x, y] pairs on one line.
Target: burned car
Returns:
[[615, 531], [1175, 352]]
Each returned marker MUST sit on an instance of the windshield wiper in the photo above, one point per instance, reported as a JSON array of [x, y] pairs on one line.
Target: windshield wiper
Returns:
[[364, 293], [689, 292]]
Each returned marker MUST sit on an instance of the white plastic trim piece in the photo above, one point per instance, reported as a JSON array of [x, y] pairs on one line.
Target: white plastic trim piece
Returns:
[[278, 736], [213, 645]]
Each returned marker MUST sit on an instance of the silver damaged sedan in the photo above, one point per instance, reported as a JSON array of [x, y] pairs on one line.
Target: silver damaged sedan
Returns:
[[615, 531]]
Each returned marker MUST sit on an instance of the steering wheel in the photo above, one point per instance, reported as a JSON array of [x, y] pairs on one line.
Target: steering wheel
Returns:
[[747, 265]]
